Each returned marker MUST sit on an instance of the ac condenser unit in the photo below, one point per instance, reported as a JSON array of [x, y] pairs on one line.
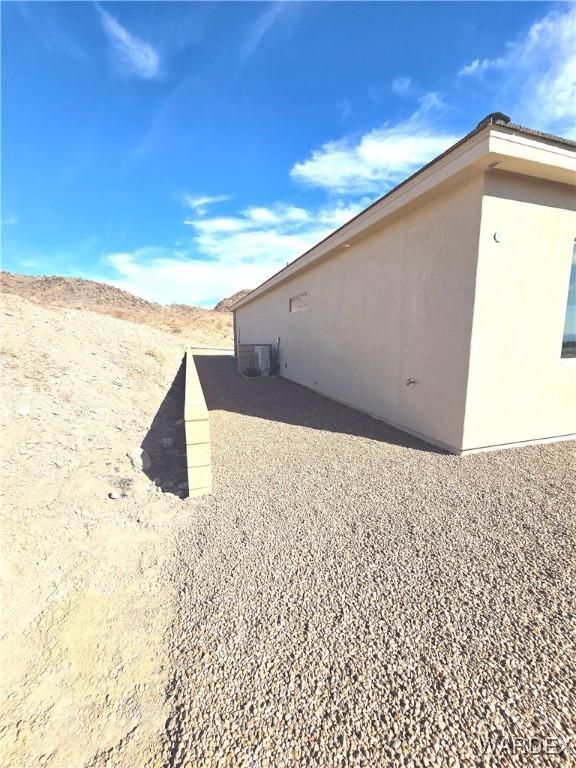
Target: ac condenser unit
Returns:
[[262, 352]]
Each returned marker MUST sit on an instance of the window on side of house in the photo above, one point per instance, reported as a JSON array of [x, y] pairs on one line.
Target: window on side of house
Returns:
[[299, 302], [569, 338]]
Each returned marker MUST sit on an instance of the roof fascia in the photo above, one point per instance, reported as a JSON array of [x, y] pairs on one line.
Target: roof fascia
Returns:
[[489, 146]]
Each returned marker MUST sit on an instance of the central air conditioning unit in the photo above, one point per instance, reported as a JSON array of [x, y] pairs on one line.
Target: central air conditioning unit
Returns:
[[262, 353]]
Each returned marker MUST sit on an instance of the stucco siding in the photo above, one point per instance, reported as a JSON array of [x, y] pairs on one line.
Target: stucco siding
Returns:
[[396, 305], [520, 389]]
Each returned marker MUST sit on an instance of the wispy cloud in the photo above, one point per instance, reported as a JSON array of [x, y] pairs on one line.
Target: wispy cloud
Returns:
[[534, 79], [261, 27], [255, 233], [164, 117], [478, 66], [402, 86], [200, 204], [226, 252], [132, 56], [170, 278], [380, 158], [10, 219], [345, 108]]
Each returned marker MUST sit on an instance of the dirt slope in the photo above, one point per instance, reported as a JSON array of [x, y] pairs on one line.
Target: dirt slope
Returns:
[[203, 326], [85, 605]]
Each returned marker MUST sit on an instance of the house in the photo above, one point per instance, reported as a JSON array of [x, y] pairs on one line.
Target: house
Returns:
[[443, 308]]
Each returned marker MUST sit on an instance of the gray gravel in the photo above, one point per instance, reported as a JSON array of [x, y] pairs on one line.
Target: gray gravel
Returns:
[[351, 596]]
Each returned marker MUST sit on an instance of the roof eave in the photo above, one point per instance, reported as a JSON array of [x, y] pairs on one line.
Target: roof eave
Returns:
[[485, 146]]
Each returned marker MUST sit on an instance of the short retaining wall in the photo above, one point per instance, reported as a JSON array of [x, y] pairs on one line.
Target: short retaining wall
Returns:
[[196, 421]]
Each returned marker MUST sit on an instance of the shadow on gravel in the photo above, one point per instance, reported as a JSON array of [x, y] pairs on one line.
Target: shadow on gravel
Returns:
[[165, 441], [278, 399]]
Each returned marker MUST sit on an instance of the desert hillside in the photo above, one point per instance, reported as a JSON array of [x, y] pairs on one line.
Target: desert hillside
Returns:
[[87, 527], [196, 324], [92, 475], [224, 305]]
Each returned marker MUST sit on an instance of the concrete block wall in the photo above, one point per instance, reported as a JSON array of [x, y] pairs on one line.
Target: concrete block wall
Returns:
[[246, 357], [196, 420]]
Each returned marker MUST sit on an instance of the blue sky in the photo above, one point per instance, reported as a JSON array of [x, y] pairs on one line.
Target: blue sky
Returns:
[[186, 150]]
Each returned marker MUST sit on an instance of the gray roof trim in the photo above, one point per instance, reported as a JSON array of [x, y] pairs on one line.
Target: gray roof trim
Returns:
[[533, 133]]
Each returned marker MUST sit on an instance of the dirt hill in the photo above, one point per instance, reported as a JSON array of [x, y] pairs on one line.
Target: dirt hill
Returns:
[[225, 304], [85, 531], [196, 324]]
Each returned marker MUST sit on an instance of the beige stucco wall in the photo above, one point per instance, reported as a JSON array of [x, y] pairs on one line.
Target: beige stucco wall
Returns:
[[519, 388], [394, 306]]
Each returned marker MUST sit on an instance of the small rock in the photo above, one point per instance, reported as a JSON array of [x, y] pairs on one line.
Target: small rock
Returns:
[[113, 495], [24, 411], [140, 460]]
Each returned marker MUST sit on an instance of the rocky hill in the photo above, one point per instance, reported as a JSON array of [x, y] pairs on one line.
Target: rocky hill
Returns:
[[224, 305], [196, 324]]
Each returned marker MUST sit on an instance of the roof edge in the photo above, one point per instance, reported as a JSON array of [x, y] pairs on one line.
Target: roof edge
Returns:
[[493, 120]]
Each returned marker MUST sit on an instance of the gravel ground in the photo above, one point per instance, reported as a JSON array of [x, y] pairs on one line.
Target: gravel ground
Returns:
[[351, 596]]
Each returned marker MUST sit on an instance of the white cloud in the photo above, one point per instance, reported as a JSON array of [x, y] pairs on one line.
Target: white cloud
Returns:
[[223, 224], [226, 254], [262, 216], [380, 158], [168, 277], [402, 85], [10, 219], [281, 213], [200, 204], [534, 80], [132, 55], [279, 233], [478, 66]]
